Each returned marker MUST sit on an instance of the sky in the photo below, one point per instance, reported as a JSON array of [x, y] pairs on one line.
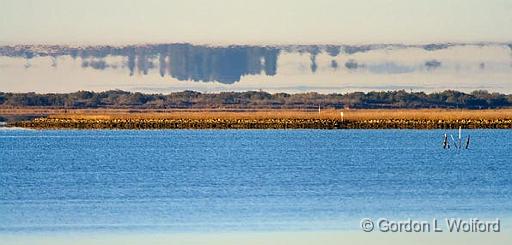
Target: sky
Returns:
[[254, 21]]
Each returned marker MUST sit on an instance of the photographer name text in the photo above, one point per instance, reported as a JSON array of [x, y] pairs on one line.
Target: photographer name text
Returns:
[[434, 225]]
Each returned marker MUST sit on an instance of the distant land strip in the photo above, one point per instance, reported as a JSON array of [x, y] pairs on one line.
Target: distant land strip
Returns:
[[117, 99], [266, 119], [46, 123], [117, 109]]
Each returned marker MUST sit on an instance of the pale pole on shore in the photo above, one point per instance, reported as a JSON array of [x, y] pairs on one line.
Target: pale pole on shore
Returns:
[[342, 117]]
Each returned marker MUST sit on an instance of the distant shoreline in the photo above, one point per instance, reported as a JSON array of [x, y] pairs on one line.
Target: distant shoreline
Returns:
[[255, 100], [262, 119], [44, 123]]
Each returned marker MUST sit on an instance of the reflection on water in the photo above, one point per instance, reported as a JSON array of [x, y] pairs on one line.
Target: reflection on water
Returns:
[[331, 68], [181, 61], [225, 65]]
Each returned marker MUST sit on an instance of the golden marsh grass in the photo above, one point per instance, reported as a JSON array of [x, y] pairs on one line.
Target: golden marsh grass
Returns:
[[331, 114], [352, 115]]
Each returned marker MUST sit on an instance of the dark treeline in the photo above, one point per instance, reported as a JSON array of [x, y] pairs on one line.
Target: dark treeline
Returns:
[[258, 99]]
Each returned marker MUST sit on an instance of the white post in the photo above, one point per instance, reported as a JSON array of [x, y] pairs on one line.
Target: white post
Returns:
[[342, 118]]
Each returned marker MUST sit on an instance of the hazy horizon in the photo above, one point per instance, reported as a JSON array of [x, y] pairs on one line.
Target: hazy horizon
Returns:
[[267, 44], [427, 45], [264, 22]]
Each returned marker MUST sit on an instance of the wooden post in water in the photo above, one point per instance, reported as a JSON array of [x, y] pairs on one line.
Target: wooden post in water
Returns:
[[454, 142], [460, 136], [467, 141]]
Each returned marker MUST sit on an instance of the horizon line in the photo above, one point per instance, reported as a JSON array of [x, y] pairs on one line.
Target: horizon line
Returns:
[[408, 91], [263, 44]]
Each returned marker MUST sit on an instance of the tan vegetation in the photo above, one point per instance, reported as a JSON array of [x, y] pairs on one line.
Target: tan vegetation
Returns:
[[363, 114], [325, 119], [352, 115]]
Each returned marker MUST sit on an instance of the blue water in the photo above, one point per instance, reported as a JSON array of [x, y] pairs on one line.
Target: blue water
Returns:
[[246, 180]]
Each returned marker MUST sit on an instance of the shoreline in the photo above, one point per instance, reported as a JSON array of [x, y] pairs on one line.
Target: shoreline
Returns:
[[259, 119], [55, 123]]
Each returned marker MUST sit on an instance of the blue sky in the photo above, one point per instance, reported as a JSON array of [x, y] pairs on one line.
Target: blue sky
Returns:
[[254, 22]]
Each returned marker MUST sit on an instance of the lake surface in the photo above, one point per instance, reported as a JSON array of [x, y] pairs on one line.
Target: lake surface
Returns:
[[246, 180]]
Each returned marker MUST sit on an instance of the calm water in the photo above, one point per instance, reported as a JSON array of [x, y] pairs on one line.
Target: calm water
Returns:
[[246, 180]]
